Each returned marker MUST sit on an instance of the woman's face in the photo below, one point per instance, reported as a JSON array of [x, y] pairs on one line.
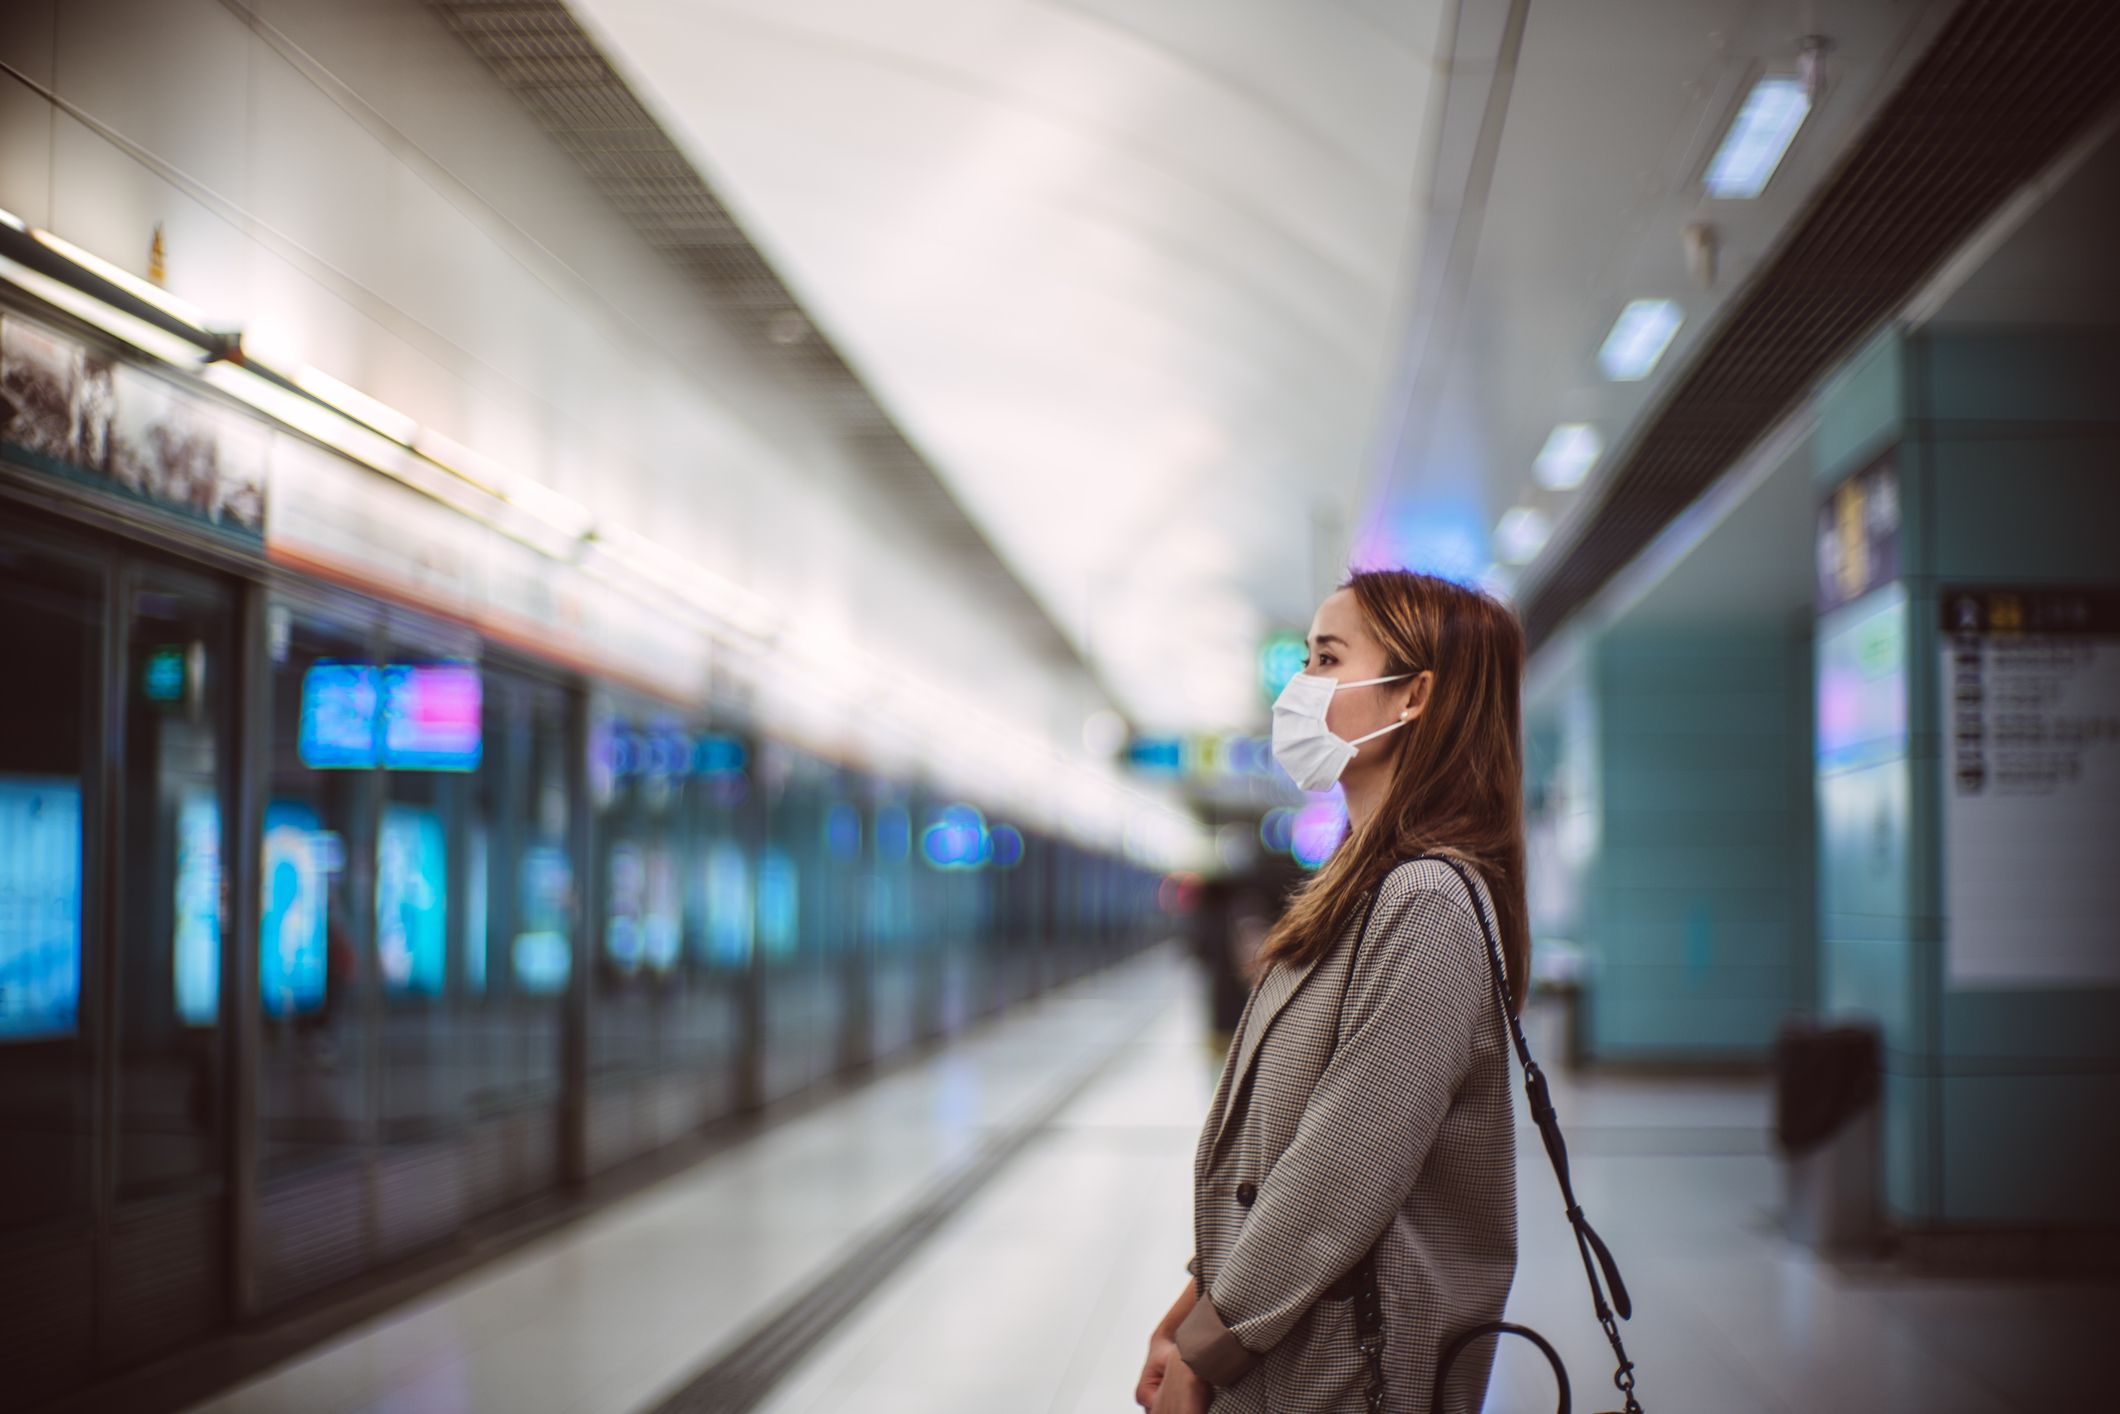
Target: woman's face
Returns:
[[1343, 649]]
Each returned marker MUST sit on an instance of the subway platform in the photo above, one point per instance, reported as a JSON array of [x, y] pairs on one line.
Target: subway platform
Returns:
[[998, 1224]]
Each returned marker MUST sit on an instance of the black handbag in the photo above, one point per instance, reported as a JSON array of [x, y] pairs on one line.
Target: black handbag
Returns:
[[1597, 1258]]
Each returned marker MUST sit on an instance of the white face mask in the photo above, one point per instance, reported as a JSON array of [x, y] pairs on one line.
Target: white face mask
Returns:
[[1306, 748]]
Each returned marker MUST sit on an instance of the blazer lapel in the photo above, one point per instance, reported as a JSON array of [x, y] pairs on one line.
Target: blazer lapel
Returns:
[[1276, 989]]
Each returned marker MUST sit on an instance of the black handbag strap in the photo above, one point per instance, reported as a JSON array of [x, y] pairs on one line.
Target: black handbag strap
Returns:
[[1597, 1257], [1368, 1301]]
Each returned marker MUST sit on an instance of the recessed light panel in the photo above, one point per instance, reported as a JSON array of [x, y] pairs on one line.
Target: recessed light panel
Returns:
[[1638, 339], [1520, 535], [1571, 450], [1759, 135]]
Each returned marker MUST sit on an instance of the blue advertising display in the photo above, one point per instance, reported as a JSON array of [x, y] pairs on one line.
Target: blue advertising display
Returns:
[[777, 921], [542, 954], [196, 944], [662, 923], [627, 873], [894, 835], [957, 840], [476, 922], [842, 832], [164, 678], [405, 717], [411, 899], [339, 706], [728, 879], [40, 906], [431, 717], [298, 858], [1005, 847]]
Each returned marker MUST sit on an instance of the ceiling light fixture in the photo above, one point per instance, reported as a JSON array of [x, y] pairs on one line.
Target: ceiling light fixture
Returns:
[[568, 516], [354, 403], [1571, 450], [142, 335], [1521, 534], [142, 290], [475, 467], [1638, 339], [1758, 136]]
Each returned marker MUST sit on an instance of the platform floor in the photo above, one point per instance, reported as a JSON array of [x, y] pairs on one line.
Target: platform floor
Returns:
[[1038, 1291]]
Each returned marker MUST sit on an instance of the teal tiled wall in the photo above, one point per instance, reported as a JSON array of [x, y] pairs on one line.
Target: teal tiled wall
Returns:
[[1698, 906]]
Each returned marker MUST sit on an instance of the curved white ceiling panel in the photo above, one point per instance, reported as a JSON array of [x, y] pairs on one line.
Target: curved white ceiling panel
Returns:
[[1127, 272]]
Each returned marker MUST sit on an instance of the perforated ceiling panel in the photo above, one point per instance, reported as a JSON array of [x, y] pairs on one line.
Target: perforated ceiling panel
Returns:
[[555, 68], [2004, 89]]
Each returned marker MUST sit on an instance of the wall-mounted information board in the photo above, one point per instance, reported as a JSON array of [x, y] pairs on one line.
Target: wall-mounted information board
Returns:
[[2031, 786]]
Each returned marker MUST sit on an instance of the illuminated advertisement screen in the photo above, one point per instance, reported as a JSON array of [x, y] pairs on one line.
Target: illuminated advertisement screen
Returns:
[[628, 874], [298, 858], [777, 920], [662, 923], [431, 718], [1862, 682], [358, 716], [339, 705], [476, 922], [411, 899], [542, 954], [40, 906], [728, 904], [196, 945]]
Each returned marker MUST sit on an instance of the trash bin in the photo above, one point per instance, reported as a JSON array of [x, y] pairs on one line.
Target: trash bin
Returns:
[[1828, 1126]]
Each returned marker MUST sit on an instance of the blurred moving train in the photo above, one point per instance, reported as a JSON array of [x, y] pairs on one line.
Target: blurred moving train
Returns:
[[331, 923]]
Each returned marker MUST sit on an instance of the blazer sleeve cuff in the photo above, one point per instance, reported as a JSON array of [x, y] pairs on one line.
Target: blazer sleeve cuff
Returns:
[[1208, 1345]]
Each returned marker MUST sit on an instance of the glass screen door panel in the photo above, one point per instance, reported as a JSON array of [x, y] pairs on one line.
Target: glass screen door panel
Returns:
[[51, 612], [173, 893]]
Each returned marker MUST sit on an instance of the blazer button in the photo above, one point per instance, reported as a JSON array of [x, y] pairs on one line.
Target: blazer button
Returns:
[[1247, 1192]]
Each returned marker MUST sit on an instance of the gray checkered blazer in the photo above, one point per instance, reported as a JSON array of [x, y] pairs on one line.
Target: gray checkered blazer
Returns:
[[1406, 1135]]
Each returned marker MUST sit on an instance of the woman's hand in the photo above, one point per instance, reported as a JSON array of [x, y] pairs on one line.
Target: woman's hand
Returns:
[[1182, 1391], [1163, 1349], [1162, 1354]]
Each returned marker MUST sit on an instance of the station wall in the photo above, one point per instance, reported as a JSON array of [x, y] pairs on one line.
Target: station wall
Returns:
[[350, 186]]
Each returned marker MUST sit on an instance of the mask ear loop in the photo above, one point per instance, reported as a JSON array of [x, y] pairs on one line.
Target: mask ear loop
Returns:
[[1371, 682], [1378, 732]]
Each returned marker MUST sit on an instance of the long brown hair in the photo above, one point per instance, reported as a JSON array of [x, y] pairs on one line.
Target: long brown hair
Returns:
[[1456, 783]]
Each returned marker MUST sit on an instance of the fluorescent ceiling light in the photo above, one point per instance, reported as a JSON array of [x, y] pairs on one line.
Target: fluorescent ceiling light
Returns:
[[1521, 534], [327, 425], [146, 337], [1571, 450], [1638, 339], [475, 467], [568, 516], [1758, 136], [143, 290], [397, 426]]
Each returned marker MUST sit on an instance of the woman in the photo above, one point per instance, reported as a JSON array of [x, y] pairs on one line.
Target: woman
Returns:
[[1364, 1107]]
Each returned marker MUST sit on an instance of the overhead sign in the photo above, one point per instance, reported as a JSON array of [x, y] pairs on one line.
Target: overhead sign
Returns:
[[1858, 535], [1202, 755]]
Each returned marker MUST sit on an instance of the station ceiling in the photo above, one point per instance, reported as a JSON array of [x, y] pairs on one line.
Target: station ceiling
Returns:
[[1128, 274], [1189, 304]]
